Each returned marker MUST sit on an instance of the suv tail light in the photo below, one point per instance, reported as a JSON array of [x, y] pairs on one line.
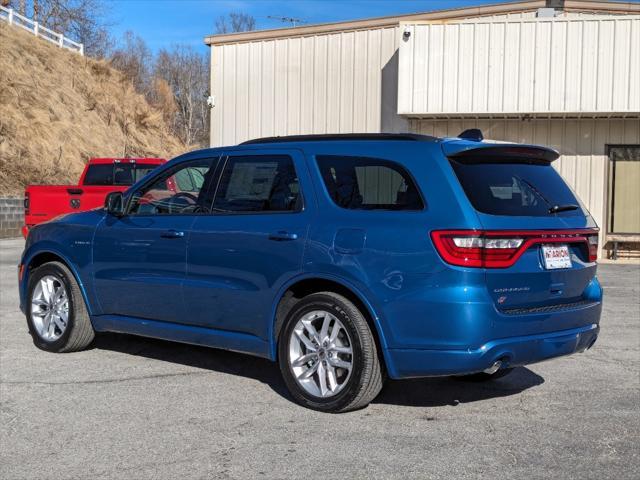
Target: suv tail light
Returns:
[[593, 247], [502, 248], [26, 203]]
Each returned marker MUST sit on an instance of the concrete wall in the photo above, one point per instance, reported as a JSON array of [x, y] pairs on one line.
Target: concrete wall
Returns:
[[11, 217]]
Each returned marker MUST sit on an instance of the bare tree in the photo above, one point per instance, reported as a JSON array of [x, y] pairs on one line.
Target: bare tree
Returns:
[[133, 58], [187, 73], [82, 20], [235, 22]]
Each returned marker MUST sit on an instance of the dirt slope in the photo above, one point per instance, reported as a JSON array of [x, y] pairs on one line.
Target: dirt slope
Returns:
[[58, 109]]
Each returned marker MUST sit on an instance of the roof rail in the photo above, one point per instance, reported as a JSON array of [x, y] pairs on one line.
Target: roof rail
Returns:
[[412, 137]]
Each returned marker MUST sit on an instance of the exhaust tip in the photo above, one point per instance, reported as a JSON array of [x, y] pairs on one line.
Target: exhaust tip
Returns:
[[493, 368]]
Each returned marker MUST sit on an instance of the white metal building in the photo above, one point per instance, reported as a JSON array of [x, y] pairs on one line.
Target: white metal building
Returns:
[[558, 73]]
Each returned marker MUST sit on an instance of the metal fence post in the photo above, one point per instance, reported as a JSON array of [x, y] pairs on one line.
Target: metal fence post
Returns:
[[61, 40], [82, 49], [10, 18], [35, 28]]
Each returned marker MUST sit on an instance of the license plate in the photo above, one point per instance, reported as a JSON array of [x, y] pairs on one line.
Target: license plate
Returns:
[[556, 256]]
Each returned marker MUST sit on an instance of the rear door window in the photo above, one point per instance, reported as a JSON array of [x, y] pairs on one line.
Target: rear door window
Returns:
[[516, 188], [258, 183], [363, 183]]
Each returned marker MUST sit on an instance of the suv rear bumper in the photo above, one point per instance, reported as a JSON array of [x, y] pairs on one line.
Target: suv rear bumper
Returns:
[[513, 351]]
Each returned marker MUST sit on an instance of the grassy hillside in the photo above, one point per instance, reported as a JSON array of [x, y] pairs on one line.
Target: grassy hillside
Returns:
[[58, 109]]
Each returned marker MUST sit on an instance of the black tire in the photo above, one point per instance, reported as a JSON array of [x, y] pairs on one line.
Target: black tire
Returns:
[[366, 379], [79, 332], [485, 377]]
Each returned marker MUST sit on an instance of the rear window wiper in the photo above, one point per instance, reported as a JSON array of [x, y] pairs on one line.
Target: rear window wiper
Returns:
[[563, 208], [536, 191]]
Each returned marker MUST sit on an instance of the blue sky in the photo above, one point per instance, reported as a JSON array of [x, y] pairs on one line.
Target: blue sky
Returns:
[[162, 23]]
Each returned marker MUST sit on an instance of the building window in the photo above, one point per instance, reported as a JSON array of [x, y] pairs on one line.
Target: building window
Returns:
[[624, 190]]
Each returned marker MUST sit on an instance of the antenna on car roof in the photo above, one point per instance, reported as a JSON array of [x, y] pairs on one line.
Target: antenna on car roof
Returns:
[[473, 134]]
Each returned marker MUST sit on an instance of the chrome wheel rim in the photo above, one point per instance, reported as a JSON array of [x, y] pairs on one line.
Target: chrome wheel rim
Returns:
[[320, 354], [50, 308]]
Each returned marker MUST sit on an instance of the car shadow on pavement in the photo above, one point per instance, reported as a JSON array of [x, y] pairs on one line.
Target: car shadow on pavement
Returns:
[[215, 360], [442, 391], [423, 392]]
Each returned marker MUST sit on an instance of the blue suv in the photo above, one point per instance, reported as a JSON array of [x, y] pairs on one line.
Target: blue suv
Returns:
[[345, 258]]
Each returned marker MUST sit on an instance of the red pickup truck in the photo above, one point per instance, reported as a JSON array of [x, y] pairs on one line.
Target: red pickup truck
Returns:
[[100, 176]]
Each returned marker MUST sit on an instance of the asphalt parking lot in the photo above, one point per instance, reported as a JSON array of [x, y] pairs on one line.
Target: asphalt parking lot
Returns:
[[135, 408]]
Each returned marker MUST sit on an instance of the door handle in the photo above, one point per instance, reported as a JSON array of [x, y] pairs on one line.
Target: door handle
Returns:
[[282, 236], [172, 234]]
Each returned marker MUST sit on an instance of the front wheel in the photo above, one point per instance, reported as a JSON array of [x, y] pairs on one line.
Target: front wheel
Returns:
[[56, 314], [328, 355]]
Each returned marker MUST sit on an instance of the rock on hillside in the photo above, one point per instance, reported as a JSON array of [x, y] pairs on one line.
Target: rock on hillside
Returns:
[[58, 109]]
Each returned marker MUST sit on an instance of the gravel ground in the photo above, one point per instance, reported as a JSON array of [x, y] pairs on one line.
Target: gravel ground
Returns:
[[134, 408]]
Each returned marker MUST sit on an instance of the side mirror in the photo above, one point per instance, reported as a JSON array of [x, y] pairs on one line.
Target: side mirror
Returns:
[[114, 204]]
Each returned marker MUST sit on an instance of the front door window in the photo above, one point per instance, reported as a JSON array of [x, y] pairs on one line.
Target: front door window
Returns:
[[184, 190]]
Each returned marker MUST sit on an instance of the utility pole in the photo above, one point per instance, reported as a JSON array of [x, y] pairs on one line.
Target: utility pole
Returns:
[[293, 21]]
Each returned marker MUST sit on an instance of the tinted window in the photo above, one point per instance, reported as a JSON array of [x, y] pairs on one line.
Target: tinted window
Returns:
[[190, 179], [183, 190], [116, 173], [142, 170], [99, 174], [517, 189], [260, 183], [360, 183]]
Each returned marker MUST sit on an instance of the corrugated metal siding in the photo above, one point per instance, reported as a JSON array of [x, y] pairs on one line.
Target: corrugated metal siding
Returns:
[[556, 66], [534, 13], [336, 83], [581, 143]]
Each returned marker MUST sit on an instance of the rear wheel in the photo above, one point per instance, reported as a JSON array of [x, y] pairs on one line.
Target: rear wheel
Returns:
[[327, 354], [56, 314]]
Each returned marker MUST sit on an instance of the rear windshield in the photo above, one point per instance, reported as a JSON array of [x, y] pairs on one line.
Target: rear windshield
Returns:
[[516, 189], [116, 173]]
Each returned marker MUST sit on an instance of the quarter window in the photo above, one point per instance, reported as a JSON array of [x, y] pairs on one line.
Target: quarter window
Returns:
[[181, 191], [258, 183], [360, 183]]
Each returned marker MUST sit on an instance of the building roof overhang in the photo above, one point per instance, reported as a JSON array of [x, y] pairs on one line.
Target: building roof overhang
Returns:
[[592, 6]]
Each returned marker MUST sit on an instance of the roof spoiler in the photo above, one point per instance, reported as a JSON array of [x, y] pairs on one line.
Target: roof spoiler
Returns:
[[499, 152]]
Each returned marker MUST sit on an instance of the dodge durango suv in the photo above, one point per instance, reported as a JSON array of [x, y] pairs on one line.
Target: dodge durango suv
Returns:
[[347, 259]]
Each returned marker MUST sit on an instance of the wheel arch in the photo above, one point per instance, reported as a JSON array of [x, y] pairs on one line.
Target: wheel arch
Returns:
[[39, 258], [302, 286]]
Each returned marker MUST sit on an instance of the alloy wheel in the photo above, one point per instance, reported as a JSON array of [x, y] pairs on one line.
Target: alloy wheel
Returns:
[[50, 308], [321, 354]]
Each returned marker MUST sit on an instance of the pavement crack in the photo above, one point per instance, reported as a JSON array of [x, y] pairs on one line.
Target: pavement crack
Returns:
[[107, 380]]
